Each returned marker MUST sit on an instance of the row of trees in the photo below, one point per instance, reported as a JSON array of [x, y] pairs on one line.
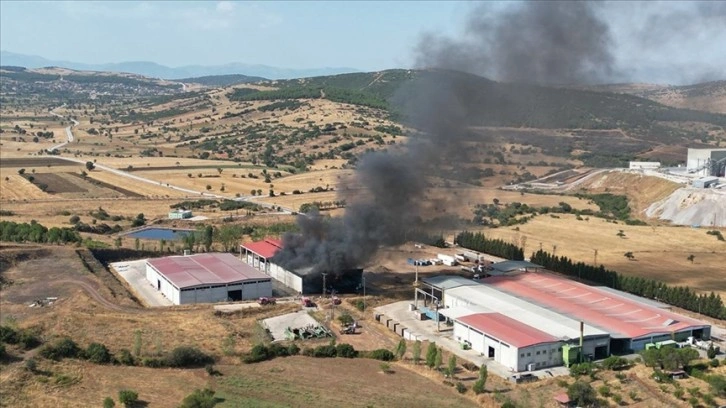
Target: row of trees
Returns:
[[709, 305], [497, 247], [34, 232]]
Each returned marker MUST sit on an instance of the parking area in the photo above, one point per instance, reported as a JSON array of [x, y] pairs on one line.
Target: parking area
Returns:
[[134, 272], [277, 325], [428, 330]]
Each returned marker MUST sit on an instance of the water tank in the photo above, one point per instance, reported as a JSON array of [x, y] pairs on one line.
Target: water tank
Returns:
[[187, 252]]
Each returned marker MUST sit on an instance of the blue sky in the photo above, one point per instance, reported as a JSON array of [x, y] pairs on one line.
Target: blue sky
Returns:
[[357, 34]]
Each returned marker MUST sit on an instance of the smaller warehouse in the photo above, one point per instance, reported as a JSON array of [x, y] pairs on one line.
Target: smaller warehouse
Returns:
[[206, 278], [180, 214], [705, 182]]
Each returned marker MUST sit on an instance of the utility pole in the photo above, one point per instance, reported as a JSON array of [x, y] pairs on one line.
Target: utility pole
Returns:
[[595, 258], [324, 274], [364, 293]]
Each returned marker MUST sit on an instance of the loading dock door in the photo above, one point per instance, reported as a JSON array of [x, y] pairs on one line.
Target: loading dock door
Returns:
[[235, 295]]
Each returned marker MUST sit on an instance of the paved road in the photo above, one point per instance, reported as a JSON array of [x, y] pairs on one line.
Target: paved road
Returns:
[[69, 132]]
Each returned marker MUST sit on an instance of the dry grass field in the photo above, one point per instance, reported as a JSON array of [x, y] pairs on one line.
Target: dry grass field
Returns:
[[660, 251], [641, 190]]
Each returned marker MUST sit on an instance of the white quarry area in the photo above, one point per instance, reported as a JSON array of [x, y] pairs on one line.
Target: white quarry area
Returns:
[[692, 206]]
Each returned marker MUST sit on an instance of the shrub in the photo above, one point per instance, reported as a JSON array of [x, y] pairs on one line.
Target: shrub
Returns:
[[381, 354], [604, 391], [31, 365], [2, 350], [108, 403], [614, 363], [200, 399], [8, 335], [577, 370], [152, 362], [187, 356], [209, 368], [28, 339], [711, 352], [128, 397], [325, 351], [124, 357], [345, 318], [346, 351], [478, 387], [277, 350], [258, 353], [618, 399], [360, 305], [385, 368], [97, 353], [714, 362], [63, 348], [678, 393], [460, 387], [293, 349]]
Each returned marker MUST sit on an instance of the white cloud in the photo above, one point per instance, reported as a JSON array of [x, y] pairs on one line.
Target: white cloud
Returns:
[[225, 6]]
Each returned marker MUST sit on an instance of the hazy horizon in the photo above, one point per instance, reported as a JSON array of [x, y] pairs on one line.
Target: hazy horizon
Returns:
[[666, 42]]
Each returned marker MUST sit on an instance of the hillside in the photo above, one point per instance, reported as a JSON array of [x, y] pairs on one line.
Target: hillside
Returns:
[[222, 80], [707, 96]]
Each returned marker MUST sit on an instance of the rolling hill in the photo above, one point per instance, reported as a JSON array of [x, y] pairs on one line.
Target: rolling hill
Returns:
[[222, 80]]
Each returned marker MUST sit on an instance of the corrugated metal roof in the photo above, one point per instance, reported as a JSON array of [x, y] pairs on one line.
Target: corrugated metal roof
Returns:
[[266, 248], [620, 316], [446, 282], [506, 329], [551, 322], [205, 269], [508, 266], [454, 313]]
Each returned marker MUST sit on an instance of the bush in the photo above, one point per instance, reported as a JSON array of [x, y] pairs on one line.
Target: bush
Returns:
[[711, 352], [2, 350], [63, 348], [8, 335], [152, 362], [108, 403], [97, 353], [258, 353], [346, 351], [28, 339], [200, 399], [385, 368], [345, 318], [604, 391], [478, 387], [31, 365], [381, 354], [325, 351], [618, 399], [74, 219], [125, 357], [614, 363], [187, 356], [293, 349], [714, 362], [577, 370], [460, 387], [128, 397], [360, 305]]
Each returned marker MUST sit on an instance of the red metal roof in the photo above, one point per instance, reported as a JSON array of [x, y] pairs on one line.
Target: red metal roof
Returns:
[[266, 248], [205, 269], [508, 330], [618, 315]]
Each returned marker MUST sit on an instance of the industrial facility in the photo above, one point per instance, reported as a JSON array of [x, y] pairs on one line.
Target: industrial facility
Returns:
[[533, 320], [206, 278], [259, 255], [707, 162]]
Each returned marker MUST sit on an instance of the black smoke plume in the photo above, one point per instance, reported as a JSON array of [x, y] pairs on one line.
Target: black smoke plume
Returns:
[[540, 42], [544, 42]]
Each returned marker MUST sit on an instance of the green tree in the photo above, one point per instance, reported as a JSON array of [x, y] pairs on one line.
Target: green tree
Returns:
[[480, 384], [128, 397], [416, 351], [21, 171], [621, 234], [137, 343], [97, 353], [629, 255], [401, 349], [582, 394], [451, 367], [90, 166], [439, 358], [431, 353], [208, 237], [691, 257], [108, 403], [74, 219]]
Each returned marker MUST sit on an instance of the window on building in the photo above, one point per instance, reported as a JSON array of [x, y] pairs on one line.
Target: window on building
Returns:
[[529, 354], [544, 351], [538, 353], [521, 355]]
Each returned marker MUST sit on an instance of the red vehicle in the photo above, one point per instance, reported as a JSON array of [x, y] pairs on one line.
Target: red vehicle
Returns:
[[336, 300], [266, 301], [307, 302]]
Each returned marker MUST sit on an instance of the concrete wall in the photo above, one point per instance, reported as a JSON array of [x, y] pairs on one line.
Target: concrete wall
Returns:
[[277, 272], [504, 354]]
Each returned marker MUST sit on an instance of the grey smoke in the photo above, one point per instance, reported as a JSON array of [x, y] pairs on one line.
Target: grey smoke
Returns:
[[533, 42]]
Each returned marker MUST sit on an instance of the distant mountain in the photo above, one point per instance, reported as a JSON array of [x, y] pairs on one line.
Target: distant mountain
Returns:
[[154, 70], [706, 96], [222, 80]]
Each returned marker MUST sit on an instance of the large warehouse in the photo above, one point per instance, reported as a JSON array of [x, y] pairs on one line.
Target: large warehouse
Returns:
[[535, 320], [206, 278], [304, 281]]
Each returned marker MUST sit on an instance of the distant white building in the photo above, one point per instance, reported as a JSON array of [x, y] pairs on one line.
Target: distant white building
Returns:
[[180, 214], [705, 182], [638, 165]]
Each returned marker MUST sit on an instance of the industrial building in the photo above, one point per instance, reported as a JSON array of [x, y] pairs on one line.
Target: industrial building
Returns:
[[707, 162], [532, 320], [705, 182], [206, 278], [259, 254], [638, 165], [180, 214]]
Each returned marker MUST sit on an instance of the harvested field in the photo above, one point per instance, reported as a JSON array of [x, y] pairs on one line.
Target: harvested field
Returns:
[[661, 252], [135, 187], [37, 162], [16, 187], [99, 183], [57, 183]]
